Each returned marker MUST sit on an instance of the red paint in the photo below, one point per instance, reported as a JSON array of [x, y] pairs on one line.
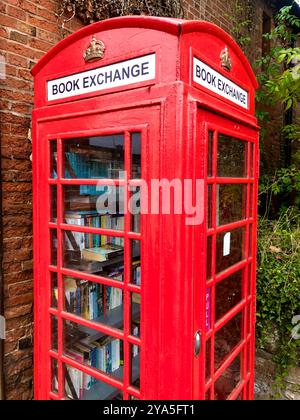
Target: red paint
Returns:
[[174, 117]]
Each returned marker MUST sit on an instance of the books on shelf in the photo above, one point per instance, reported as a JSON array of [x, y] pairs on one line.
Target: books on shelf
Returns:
[[93, 220], [90, 300], [102, 253]]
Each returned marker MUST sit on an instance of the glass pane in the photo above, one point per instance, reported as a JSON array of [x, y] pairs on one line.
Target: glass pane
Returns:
[[136, 155], [227, 338], [231, 203], [232, 157], [135, 209], [53, 239], [207, 360], [136, 314], [135, 366], [250, 253], [54, 290], [250, 279], [54, 334], [54, 375], [229, 380], [209, 257], [53, 203], [80, 386], [93, 348], [94, 254], [251, 160], [94, 157], [210, 153], [230, 248], [53, 159], [209, 206], [229, 293], [251, 202], [136, 262], [94, 206], [94, 302]]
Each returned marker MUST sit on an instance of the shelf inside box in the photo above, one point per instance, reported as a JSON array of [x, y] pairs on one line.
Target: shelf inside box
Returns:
[[102, 391], [114, 318]]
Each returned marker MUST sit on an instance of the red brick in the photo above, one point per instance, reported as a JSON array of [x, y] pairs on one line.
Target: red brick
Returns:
[[16, 12], [18, 37]]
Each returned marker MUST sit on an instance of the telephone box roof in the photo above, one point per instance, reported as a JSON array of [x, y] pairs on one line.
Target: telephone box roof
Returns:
[[173, 26]]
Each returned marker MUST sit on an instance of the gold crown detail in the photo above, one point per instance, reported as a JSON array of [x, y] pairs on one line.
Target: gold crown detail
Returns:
[[225, 59], [95, 50]]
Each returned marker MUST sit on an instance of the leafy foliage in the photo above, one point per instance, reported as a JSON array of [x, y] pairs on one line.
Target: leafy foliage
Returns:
[[94, 10], [278, 282], [278, 287]]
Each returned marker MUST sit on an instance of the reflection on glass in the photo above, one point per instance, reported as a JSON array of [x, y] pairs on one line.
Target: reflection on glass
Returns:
[[136, 314], [209, 257], [251, 160], [230, 248], [209, 206], [135, 366], [136, 263], [80, 386], [54, 375], [54, 334], [231, 199], [229, 380], [210, 153], [93, 348], [207, 360], [94, 301], [136, 155], [228, 294], [250, 279], [251, 201], [94, 157], [94, 254], [54, 290], [135, 209], [250, 253], [94, 206], [232, 157], [226, 339], [53, 159], [53, 239], [53, 203]]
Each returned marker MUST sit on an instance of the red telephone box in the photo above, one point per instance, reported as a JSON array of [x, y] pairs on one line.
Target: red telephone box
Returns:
[[138, 297]]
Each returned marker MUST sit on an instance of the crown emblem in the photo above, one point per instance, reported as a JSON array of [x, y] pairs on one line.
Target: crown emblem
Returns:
[[225, 59], [95, 50]]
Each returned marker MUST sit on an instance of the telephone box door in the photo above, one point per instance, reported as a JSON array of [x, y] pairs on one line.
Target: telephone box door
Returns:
[[225, 290], [91, 263]]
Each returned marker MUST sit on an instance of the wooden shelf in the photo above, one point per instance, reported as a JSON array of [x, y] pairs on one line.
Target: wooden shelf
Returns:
[[113, 318], [102, 391]]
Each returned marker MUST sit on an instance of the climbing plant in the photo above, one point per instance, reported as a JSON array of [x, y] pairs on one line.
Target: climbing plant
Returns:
[[278, 282], [94, 10]]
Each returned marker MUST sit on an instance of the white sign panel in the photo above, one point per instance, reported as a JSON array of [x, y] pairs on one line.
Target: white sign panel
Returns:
[[116, 75], [206, 76]]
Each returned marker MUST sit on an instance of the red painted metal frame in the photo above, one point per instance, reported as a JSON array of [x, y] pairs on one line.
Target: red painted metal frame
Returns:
[[174, 117]]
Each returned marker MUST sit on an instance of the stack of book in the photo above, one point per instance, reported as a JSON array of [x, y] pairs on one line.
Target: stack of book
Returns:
[[90, 300]]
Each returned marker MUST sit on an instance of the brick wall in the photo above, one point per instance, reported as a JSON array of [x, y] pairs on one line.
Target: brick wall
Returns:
[[27, 30]]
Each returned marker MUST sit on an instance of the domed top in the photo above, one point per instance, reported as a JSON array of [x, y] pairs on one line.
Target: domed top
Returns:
[[176, 27]]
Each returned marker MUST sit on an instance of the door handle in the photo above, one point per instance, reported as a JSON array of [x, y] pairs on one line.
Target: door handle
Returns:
[[197, 343]]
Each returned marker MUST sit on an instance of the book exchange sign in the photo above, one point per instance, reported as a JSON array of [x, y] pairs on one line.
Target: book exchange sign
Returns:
[[206, 76], [136, 70]]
